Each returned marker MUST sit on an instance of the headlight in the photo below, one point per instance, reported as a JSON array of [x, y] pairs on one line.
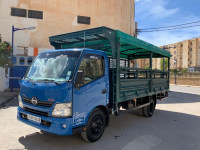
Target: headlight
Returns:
[[62, 110], [20, 101]]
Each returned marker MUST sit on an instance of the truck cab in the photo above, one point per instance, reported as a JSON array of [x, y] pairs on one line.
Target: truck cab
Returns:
[[61, 88]]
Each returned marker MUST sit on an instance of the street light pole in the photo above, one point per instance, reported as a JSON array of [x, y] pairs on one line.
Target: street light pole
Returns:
[[11, 70], [176, 69]]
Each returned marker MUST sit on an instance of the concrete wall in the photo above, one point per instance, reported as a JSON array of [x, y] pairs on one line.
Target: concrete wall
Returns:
[[60, 16], [186, 81], [4, 82]]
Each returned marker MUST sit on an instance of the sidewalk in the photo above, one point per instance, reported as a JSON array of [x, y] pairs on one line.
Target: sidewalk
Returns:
[[185, 89], [6, 97]]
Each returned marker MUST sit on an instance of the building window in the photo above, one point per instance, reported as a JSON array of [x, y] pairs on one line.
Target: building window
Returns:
[[21, 61], [30, 60], [174, 52], [35, 14], [83, 20], [18, 12], [190, 62], [190, 49]]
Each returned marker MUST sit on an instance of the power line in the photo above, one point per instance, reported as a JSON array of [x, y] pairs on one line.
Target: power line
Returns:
[[139, 30], [171, 26]]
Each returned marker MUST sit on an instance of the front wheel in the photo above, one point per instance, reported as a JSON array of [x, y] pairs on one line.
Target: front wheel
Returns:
[[95, 126]]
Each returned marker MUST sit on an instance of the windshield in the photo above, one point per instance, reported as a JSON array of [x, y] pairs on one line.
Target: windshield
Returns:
[[53, 66]]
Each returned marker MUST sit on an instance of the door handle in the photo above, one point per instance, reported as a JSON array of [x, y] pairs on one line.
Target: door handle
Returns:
[[104, 91]]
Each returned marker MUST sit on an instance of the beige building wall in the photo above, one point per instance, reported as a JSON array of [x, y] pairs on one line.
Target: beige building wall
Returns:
[[60, 16], [198, 52]]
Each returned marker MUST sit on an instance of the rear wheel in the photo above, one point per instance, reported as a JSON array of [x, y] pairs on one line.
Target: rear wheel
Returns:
[[95, 126], [147, 111]]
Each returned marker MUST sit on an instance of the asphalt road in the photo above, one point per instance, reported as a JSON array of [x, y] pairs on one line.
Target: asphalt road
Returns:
[[174, 126]]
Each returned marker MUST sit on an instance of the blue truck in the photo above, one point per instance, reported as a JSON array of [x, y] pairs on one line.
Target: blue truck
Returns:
[[74, 89]]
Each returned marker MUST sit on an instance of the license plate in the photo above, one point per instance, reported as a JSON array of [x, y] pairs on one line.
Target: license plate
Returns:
[[34, 118]]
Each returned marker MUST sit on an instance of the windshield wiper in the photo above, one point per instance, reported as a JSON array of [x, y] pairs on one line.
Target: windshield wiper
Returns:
[[48, 80], [31, 80]]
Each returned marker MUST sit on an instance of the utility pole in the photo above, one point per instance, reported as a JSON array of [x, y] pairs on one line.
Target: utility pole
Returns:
[[134, 32], [130, 17]]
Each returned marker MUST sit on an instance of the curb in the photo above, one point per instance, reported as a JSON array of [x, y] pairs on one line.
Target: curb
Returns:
[[7, 101], [186, 85]]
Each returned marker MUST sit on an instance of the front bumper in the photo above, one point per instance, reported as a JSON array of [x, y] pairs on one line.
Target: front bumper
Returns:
[[49, 124]]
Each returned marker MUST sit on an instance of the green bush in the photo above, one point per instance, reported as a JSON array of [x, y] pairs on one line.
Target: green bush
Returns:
[[146, 67], [184, 70], [174, 70], [5, 54]]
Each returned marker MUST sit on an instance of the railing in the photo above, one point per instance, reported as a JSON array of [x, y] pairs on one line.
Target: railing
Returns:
[[138, 73]]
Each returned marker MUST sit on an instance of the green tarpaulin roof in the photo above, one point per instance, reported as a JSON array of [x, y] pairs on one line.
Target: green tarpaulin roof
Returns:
[[106, 39]]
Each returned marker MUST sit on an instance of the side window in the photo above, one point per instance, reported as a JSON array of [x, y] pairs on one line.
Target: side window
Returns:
[[92, 67]]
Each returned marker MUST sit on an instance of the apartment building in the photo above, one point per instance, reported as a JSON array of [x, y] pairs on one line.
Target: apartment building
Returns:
[[186, 54]]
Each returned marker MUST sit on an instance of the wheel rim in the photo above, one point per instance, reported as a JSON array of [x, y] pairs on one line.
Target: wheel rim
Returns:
[[97, 126]]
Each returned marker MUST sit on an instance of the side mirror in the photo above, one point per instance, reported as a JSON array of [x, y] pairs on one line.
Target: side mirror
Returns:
[[80, 77]]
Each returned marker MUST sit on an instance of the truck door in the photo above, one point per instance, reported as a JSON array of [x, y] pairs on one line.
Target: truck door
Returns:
[[94, 89]]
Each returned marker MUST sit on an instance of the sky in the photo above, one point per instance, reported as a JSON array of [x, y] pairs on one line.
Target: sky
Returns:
[[160, 13]]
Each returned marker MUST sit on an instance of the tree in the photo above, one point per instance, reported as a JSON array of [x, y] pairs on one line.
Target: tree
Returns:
[[5, 53], [165, 63]]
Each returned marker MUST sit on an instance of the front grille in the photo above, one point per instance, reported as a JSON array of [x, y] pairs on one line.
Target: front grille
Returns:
[[39, 103], [36, 112]]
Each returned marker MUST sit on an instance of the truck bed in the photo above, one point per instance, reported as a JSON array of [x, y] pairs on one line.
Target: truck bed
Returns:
[[135, 83]]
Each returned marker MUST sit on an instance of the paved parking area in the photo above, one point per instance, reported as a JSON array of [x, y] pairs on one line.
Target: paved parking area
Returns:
[[174, 126]]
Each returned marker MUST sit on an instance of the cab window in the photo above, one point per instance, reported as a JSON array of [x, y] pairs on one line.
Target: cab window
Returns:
[[92, 67]]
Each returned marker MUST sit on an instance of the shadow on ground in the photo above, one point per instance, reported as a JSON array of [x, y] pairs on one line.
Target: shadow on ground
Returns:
[[174, 97], [171, 130], [12, 103]]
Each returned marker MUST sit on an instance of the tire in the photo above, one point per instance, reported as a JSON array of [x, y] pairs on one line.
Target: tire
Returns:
[[95, 126], [155, 102], [140, 112], [149, 110]]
